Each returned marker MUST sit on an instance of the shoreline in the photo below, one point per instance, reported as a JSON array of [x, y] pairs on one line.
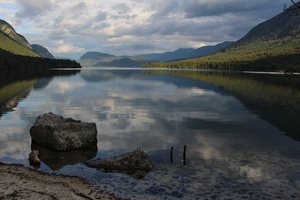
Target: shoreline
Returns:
[[20, 182]]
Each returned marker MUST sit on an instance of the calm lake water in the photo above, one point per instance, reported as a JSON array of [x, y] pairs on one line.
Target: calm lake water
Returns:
[[241, 130]]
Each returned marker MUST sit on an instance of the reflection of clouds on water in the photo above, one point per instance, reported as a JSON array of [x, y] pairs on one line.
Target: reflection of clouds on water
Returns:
[[122, 107], [14, 141], [63, 86]]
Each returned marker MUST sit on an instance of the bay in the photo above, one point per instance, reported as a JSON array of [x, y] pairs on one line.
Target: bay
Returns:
[[241, 130]]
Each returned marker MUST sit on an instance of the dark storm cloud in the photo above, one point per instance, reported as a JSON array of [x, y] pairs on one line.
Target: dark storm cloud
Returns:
[[195, 8]]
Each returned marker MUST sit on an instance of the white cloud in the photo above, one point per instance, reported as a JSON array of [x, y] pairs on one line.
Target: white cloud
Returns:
[[65, 48], [32, 8]]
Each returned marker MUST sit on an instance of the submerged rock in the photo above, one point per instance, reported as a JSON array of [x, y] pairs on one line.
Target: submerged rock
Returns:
[[136, 163], [57, 133]]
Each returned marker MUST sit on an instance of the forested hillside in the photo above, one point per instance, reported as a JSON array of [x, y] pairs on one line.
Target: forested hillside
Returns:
[[272, 45]]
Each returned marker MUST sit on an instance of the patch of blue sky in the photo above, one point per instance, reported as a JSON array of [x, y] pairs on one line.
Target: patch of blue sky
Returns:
[[7, 10], [10, 7]]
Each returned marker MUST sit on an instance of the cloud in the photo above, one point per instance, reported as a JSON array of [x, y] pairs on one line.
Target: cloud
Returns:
[[65, 48], [194, 8], [31, 8], [122, 8], [157, 26]]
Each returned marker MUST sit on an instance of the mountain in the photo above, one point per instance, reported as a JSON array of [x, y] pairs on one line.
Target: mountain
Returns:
[[10, 32], [98, 59], [17, 56], [180, 54], [271, 45], [42, 51], [13, 42]]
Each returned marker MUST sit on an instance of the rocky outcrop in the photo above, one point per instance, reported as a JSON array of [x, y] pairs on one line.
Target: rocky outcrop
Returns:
[[136, 164], [57, 133]]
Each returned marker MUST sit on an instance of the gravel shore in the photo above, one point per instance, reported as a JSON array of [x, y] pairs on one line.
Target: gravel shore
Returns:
[[20, 182]]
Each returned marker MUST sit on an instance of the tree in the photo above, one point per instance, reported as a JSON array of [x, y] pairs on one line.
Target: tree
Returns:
[[294, 8]]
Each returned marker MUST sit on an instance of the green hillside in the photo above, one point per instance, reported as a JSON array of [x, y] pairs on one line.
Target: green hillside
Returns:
[[12, 46], [272, 45]]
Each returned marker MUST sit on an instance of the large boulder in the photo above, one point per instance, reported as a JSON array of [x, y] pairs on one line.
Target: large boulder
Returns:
[[57, 133], [136, 163]]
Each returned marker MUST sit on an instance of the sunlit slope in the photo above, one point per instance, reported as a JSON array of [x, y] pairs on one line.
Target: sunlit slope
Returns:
[[12, 46]]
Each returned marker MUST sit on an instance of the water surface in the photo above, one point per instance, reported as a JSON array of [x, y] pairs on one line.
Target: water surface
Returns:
[[238, 143]]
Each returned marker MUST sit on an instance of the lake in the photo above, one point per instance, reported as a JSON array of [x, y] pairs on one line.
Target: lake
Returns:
[[241, 130]]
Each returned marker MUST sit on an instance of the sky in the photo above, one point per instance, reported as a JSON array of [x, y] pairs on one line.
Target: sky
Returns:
[[70, 28]]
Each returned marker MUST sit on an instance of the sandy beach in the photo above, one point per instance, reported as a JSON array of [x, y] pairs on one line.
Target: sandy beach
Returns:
[[20, 182]]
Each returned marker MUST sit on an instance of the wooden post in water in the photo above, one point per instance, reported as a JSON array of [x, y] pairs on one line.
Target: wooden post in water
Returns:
[[171, 155], [184, 155]]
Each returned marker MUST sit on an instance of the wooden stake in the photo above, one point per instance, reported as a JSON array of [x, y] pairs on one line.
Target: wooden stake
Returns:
[[171, 155], [184, 155]]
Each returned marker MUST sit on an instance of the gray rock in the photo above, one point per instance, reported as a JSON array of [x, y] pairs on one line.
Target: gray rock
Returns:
[[58, 160], [57, 133], [136, 163]]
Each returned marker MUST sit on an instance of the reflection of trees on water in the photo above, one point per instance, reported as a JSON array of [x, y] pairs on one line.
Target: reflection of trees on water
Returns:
[[16, 85], [12, 94], [275, 98]]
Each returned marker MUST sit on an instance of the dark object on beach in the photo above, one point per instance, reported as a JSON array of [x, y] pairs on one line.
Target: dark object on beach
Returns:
[[34, 158], [57, 133], [136, 164]]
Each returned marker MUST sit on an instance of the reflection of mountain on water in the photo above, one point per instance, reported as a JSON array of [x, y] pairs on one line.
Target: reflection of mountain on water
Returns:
[[180, 82], [274, 98], [42, 83], [103, 75]]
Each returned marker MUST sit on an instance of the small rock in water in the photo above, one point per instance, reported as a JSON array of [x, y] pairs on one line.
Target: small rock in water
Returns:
[[136, 163], [34, 158]]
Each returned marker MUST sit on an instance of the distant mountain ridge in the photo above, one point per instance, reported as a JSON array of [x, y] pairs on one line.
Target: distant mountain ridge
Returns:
[[182, 53], [43, 51], [98, 59]]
